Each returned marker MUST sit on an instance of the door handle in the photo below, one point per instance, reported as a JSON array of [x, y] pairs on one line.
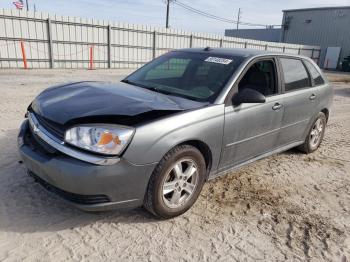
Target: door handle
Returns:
[[312, 97], [276, 106]]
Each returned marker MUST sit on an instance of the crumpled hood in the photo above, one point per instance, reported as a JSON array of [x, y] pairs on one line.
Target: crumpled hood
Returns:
[[66, 102]]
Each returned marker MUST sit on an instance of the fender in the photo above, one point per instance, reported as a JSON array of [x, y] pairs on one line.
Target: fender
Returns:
[[153, 140]]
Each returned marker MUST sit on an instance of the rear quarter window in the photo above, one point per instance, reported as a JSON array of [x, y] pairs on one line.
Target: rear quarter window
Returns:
[[295, 74], [315, 75]]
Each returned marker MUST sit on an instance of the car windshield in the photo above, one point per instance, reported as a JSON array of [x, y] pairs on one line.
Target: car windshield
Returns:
[[196, 76]]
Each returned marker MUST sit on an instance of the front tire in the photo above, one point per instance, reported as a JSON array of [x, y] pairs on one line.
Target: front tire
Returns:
[[315, 135], [176, 182]]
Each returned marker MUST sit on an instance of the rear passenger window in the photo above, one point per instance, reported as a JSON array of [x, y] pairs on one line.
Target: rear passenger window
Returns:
[[316, 76], [295, 75]]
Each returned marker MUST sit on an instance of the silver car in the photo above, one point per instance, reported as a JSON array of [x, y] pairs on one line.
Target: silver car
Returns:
[[186, 117]]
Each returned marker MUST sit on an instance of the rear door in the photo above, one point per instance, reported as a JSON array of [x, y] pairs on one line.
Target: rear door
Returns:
[[300, 100]]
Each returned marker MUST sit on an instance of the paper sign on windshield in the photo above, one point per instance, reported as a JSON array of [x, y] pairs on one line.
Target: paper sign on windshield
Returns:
[[218, 60]]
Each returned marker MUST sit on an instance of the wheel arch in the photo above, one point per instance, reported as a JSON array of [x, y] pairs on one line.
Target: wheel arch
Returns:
[[326, 112], [204, 149]]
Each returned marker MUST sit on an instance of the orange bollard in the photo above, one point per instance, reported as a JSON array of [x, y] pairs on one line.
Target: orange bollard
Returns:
[[91, 58], [24, 56]]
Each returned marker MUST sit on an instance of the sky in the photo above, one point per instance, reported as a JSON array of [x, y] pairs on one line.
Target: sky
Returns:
[[152, 12]]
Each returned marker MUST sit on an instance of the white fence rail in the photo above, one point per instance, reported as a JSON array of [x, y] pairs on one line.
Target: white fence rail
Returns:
[[51, 41]]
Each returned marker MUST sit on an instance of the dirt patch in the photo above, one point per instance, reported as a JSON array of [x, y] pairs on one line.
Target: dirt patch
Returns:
[[340, 77], [300, 229]]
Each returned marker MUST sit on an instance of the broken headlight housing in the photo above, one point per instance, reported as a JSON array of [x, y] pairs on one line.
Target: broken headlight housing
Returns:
[[100, 138]]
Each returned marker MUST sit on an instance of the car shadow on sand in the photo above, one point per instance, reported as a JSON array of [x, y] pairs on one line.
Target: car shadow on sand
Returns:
[[25, 206]]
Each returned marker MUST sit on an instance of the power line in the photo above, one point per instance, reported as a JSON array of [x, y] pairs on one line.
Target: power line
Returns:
[[189, 8], [218, 18]]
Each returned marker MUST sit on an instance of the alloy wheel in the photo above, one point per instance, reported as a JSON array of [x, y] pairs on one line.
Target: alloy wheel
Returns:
[[316, 133], [180, 183]]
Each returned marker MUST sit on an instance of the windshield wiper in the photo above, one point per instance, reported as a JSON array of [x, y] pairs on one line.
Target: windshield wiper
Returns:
[[131, 83], [158, 90], [152, 88]]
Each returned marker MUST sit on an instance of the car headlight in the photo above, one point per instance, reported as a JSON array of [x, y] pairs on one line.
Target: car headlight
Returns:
[[103, 139]]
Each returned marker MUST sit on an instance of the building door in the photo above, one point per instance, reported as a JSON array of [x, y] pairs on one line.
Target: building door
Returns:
[[332, 58]]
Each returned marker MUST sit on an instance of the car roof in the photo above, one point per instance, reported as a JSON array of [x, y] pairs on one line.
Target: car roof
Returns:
[[243, 52]]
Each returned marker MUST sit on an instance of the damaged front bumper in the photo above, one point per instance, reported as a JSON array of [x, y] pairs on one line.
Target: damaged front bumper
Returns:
[[88, 186]]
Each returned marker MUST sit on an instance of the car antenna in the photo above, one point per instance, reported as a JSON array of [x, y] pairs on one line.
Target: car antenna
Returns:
[[208, 48]]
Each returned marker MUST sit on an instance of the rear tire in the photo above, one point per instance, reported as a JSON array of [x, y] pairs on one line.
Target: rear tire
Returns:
[[315, 135], [176, 182]]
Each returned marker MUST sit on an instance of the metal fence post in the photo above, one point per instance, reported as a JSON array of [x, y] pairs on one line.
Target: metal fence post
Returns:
[[49, 35], [283, 49], [266, 47], [191, 41], [312, 53], [154, 44], [298, 51], [245, 44], [221, 42], [109, 53], [318, 56]]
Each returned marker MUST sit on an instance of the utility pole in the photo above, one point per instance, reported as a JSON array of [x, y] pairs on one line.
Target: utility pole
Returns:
[[238, 17], [167, 13]]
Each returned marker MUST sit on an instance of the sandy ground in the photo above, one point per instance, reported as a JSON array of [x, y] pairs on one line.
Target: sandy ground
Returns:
[[290, 206]]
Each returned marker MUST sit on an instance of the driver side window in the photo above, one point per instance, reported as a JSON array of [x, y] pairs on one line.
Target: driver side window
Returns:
[[261, 77]]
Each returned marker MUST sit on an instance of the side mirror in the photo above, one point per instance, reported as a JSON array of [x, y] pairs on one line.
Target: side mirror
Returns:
[[248, 95]]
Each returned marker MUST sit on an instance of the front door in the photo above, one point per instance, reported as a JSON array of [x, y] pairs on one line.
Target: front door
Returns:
[[252, 129]]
